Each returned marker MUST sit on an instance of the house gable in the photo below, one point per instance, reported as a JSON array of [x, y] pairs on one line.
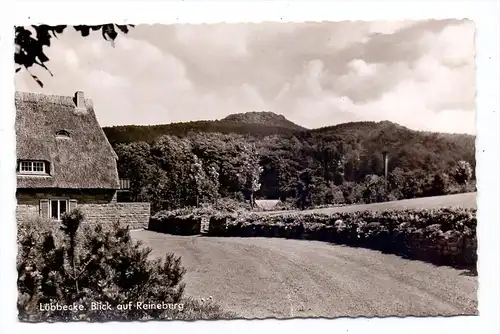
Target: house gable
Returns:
[[64, 132]]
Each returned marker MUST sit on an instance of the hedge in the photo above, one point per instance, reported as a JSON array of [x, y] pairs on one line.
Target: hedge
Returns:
[[441, 236], [180, 225], [185, 221]]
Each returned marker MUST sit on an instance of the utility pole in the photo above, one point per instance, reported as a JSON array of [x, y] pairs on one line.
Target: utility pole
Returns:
[[386, 163]]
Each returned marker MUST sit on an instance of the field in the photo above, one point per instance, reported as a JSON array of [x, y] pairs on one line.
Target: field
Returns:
[[271, 277], [466, 200]]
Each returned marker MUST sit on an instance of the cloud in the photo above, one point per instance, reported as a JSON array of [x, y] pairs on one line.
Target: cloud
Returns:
[[219, 38], [416, 73], [388, 27], [71, 59], [433, 92], [360, 68]]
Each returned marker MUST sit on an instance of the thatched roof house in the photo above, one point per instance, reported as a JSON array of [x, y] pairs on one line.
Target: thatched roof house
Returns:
[[64, 133], [64, 158]]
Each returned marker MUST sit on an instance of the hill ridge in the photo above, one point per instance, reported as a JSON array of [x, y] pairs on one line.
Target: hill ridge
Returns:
[[263, 117], [262, 124]]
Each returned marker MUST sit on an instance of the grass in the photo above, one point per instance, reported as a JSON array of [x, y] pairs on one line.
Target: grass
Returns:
[[466, 200]]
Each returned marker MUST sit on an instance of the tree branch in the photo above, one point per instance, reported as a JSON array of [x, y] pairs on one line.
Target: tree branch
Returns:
[[30, 49]]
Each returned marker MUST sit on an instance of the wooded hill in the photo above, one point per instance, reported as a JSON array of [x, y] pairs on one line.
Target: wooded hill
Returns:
[[408, 149], [328, 164], [257, 124]]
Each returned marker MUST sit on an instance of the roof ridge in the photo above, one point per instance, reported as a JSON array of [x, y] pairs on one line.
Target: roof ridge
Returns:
[[50, 98]]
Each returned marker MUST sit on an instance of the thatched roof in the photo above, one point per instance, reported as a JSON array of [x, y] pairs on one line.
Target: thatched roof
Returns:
[[84, 160]]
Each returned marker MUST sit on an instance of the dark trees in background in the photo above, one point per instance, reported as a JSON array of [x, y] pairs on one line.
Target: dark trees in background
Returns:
[[135, 161], [176, 172], [375, 189], [305, 187], [439, 184], [253, 179], [305, 168], [462, 172], [396, 181], [31, 42], [199, 162]]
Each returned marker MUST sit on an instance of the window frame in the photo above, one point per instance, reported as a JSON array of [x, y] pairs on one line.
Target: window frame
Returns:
[[32, 167], [59, 200], [63, 134]]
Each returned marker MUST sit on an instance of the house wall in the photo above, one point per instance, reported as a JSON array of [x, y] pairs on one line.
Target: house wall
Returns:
[[25, 211], [97, 206], [33, 196], [134, 215]]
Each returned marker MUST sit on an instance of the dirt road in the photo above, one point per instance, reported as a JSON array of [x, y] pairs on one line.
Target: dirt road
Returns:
[[264, 277]]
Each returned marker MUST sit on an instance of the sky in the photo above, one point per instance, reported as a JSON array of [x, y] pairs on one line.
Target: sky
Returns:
[[420, 74]]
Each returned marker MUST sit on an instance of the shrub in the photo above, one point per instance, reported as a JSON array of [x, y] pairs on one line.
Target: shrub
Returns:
[[90, 264], [462, 172], [229, 205], [419, 234], [179, 225], [284, 205], [375, 189], [352, 192]]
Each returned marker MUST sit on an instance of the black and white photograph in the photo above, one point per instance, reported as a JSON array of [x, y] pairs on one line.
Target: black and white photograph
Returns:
[[246, 170]]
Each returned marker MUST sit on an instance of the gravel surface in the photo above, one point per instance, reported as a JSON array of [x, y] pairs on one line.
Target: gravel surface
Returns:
[[271, 277]]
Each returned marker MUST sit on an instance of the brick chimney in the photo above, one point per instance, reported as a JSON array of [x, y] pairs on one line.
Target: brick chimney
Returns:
[[80, 101]]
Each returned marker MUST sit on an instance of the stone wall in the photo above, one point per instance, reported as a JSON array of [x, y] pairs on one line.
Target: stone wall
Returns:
[[98, 206], [444, 247], [25, 212], [412, 234], [176, 225], [134, 215]]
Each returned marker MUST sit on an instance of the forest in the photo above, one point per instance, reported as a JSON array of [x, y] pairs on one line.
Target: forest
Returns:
[[257, 156]]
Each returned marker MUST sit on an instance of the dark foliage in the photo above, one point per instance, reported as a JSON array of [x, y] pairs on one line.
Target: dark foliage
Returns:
[[441, 236], [335, 165], [30, 46], [150, 133], [86, 265], [181, 225], [266, 118]]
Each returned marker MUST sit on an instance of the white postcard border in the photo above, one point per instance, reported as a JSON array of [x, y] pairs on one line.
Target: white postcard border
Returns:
[[485, 15]]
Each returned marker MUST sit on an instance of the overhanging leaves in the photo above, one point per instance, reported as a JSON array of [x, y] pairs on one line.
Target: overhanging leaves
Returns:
[[30, 43]]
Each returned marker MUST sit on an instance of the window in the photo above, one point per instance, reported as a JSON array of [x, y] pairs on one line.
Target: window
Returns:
[[63, 134], [58, 208], [124, 184], [32, 167]]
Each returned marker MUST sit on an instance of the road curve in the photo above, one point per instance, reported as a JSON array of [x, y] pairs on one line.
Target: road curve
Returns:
[[271, 277]]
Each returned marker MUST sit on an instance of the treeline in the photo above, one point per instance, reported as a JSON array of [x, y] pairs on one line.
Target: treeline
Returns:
[[342, 164], [150, 133], [200, 168]]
